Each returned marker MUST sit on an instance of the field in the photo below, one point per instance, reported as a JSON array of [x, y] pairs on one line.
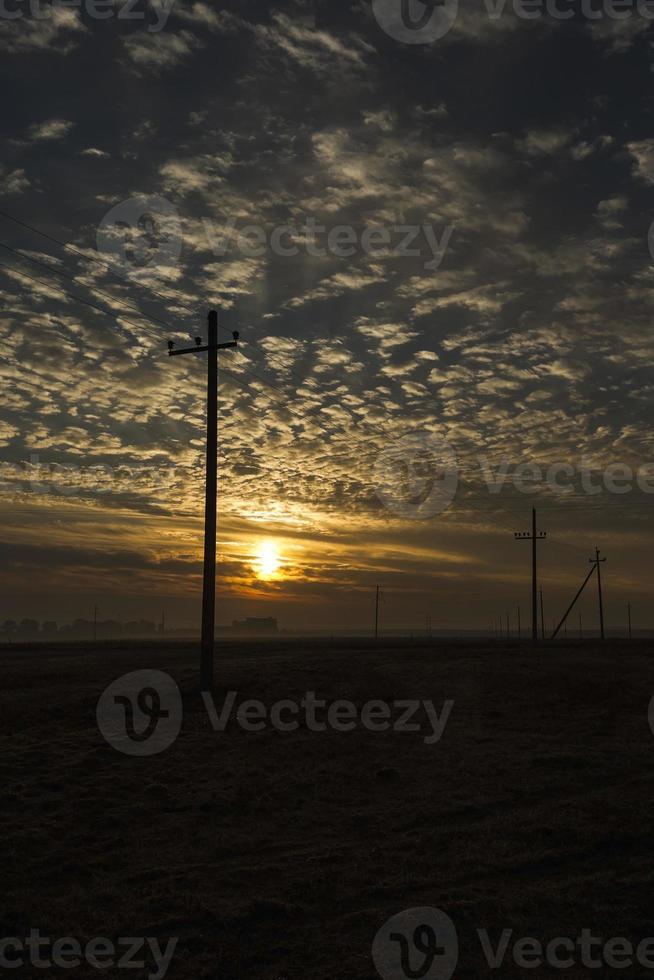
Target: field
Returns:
[[279, 855]]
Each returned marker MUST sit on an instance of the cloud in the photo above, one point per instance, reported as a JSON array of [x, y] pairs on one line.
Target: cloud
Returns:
[[157, 52], [56, 33], [93, 151], [50, 129], [643, 153], [13, 182]]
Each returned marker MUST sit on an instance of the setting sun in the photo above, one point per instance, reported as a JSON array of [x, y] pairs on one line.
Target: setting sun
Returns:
[[268, 561]]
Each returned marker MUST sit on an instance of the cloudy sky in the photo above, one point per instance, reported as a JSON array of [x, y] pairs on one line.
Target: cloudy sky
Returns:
[[436, 252]]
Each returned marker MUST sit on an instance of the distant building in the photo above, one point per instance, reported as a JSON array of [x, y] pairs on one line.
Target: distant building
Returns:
[[258, 627]]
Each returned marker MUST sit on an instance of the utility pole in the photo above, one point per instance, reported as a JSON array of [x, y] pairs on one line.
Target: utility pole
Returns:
[[597, 562], [211, 492], [377, 614], [534, 537]]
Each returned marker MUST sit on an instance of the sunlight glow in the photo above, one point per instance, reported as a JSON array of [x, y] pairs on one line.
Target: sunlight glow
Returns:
[[268, 561]]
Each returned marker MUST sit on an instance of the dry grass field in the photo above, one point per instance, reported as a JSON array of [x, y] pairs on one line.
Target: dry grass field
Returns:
[[279, 855]]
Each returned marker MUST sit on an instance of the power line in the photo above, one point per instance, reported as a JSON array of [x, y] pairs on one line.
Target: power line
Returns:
[[66, 275], [92, 257], [79, 299]]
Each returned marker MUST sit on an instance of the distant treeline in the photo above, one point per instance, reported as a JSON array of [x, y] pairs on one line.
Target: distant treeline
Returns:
[[80, 629]]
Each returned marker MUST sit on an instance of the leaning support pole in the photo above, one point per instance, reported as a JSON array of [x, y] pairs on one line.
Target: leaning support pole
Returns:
[[573, 604]]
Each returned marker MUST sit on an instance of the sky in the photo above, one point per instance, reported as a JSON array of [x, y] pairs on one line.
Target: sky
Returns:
[[435, 245]]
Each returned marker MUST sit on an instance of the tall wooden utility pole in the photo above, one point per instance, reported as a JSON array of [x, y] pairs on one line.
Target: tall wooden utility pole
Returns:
[[534, 537], [211, 493]]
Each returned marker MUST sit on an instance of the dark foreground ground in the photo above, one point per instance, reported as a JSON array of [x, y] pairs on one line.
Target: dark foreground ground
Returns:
[[276, 856]]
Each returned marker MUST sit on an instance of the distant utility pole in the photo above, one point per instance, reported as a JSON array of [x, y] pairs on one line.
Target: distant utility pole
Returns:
[[534, 537], [629, 616], [597, 562], [377, 613], [209, 578]]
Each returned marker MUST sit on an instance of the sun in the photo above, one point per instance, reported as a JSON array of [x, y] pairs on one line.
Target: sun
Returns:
[[268, 561]]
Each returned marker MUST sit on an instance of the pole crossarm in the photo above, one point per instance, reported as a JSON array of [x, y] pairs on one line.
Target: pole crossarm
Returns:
[[198, 349]]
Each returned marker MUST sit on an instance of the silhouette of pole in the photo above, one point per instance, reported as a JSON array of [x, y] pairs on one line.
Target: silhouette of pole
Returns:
[[534, 537], [211, 493], [597, 562], [377, 614]]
